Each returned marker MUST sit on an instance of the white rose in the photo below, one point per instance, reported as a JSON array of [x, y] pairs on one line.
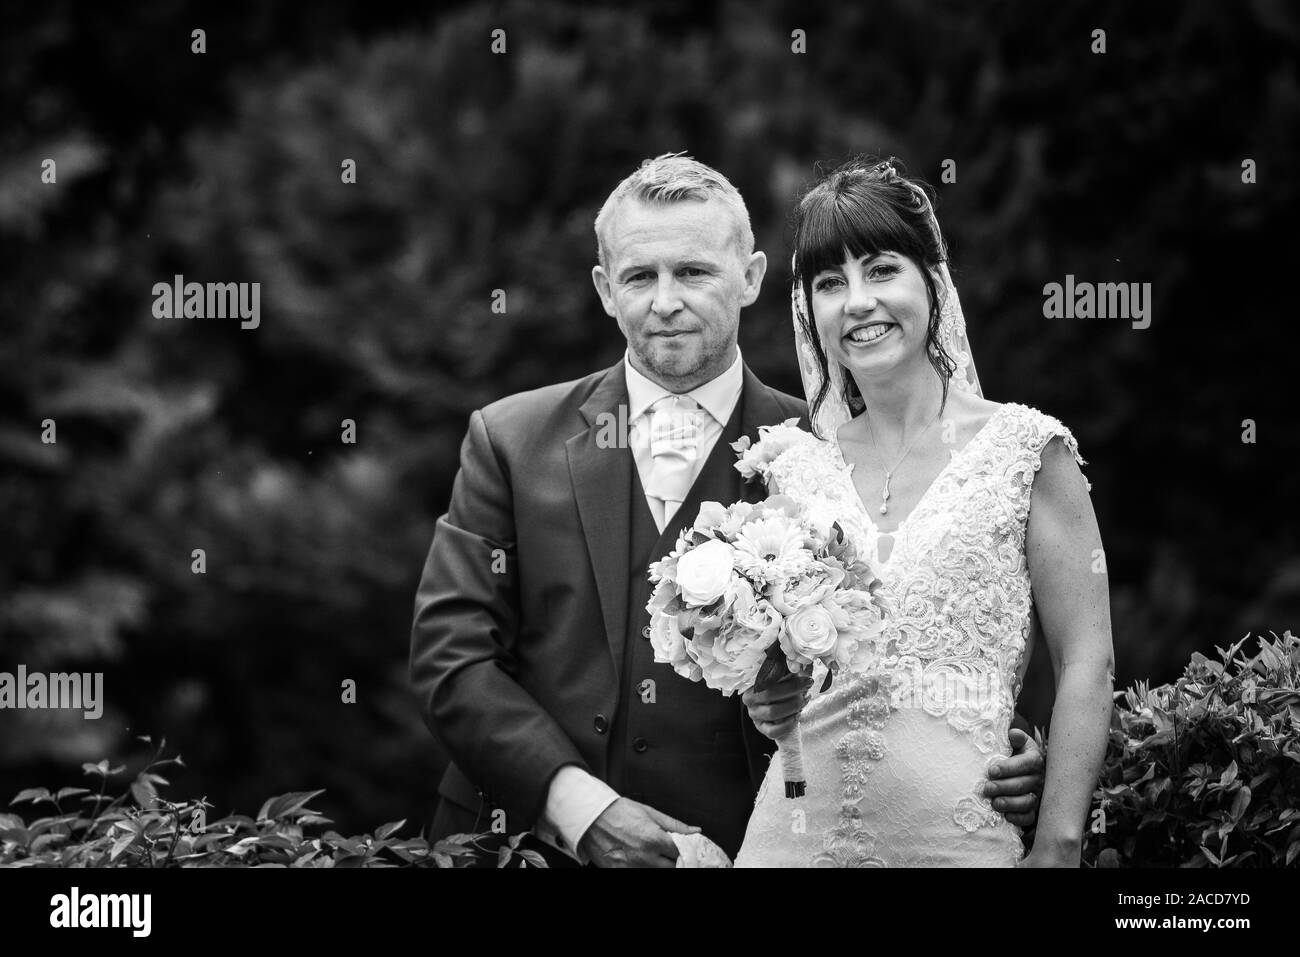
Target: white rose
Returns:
[[817, 583], [761, 618], [772, 441], [730, 662], [703, 572], [738, 514], [858, 621], [670, 646], [808, 634], [738, 597]]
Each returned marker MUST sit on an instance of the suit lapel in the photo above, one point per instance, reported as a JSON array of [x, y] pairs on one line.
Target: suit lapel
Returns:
[[760, 407], [602, 483], [602, 480]]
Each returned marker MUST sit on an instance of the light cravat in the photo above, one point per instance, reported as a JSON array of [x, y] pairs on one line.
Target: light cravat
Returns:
[[674, 444]]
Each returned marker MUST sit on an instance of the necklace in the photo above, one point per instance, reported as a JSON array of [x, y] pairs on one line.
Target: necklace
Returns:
[[884, 497]]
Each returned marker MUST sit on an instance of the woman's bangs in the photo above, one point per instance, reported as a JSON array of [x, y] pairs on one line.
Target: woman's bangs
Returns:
[[852, 223]]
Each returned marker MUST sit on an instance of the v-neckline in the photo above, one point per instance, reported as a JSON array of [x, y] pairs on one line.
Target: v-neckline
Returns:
[[866, 512]]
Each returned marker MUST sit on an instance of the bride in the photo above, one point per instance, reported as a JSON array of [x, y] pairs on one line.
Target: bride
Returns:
[[974, 515]]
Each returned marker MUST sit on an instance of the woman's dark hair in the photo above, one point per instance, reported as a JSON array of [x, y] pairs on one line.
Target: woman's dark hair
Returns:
[[867, 207]]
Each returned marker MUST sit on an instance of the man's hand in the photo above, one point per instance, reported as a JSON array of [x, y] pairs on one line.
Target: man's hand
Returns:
[[630, 834], [1016, 782], [775, 709]]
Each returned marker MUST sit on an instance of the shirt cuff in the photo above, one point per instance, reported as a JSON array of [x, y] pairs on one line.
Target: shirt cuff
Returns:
[[574, 801]]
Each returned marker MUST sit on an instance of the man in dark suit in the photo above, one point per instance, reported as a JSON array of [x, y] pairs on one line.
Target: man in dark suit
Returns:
[[530, 650]]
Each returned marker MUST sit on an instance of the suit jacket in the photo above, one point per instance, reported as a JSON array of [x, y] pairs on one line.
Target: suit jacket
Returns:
[[522, 617]]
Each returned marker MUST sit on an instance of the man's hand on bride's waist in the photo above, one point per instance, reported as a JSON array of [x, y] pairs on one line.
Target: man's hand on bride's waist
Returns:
[[1015, 783]]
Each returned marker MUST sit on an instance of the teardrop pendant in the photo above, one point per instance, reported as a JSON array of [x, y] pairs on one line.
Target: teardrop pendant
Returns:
[[884, 497]]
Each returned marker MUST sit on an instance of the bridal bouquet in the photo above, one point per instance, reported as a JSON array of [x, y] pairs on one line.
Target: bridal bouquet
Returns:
[[753, 592]]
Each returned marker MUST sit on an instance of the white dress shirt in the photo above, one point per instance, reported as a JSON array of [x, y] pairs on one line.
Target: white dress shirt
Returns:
[[576, 798]]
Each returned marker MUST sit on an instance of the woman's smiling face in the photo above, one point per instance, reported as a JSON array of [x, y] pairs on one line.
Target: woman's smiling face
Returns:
[[872, 312]]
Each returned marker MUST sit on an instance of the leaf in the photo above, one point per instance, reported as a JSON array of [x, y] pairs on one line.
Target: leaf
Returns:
[[1263, 776], [234, 822], [1210, 854], [1240, 803], [1291, 853], [1157, 739], [121, 845], [45, 840], [1261, 816], [292, 832], [1229, 774], [533, 858], [210, 842], [285, 804], [305, 859], [503, 855], [453, 850], [274, 842], [70, 792], [406, 855], [242, 846], [387, 830], [1268, 657], [1109, 857], [143, 793], [35, 795]]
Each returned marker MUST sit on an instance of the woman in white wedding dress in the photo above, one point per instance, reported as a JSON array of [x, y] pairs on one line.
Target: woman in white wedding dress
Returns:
[[974, 515]]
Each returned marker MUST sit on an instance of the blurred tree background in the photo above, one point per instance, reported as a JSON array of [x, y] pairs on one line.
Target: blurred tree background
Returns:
[[479, 171]]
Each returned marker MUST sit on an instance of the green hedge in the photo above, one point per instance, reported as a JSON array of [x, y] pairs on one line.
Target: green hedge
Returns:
[[1205, 772], [140, 829]]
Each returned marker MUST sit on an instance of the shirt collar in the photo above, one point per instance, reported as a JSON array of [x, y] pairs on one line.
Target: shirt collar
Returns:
[[717, 396]]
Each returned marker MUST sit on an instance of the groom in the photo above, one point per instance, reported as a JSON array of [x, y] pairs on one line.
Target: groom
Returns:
[[530, 650]]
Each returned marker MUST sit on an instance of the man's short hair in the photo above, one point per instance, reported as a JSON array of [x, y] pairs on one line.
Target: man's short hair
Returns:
[[672, 178]]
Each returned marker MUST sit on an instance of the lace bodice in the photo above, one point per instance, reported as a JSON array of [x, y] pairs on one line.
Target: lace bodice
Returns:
[[957, 609], [955, 583]]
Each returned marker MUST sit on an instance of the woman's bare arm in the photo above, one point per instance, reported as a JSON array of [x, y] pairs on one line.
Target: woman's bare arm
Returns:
[[1068, 575]]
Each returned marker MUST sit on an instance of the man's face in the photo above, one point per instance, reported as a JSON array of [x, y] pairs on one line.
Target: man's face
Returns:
[[675, 281]]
